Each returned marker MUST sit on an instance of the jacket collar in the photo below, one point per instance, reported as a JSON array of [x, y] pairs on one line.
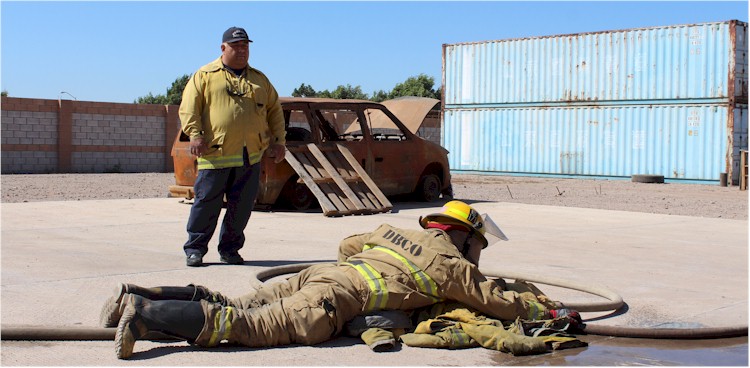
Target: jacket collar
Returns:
[[216, 65]]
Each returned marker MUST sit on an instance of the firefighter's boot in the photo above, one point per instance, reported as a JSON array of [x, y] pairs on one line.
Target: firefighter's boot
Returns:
[[178, 318], [112, 309]]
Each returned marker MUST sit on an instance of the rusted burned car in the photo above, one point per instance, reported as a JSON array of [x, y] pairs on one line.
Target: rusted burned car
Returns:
[[397, 160]]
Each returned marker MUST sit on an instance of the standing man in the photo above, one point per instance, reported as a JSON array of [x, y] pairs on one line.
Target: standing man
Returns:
[[231, 113]]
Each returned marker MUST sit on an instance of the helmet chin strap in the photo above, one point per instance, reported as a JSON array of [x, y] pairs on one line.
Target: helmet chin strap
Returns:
[[466, 246]]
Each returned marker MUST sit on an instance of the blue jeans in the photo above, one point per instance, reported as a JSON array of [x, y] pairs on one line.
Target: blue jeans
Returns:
[[240, 184]]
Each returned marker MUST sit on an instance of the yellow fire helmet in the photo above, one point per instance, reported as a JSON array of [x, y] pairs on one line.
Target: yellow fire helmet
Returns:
[[460, 213]]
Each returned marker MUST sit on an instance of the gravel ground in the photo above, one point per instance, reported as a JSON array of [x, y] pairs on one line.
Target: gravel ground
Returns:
[[673, 199]]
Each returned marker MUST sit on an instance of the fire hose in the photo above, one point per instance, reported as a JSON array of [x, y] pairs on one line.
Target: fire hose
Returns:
[[612, 302]]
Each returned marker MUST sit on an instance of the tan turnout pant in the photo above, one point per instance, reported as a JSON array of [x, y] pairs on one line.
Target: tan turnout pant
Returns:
[[308, 308]]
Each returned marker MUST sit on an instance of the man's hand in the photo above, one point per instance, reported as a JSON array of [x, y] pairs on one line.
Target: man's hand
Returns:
[[277, 151], [197, 146]]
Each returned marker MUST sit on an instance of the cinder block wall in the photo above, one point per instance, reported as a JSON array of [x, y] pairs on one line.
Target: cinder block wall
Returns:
[[51, 136], [430, 129]]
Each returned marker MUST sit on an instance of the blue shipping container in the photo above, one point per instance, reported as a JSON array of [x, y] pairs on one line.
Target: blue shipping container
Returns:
[[668, 101], [695, 142], [706, 62]]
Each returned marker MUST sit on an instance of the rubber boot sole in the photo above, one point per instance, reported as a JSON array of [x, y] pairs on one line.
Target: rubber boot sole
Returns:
[[124, 339], [110, 314]]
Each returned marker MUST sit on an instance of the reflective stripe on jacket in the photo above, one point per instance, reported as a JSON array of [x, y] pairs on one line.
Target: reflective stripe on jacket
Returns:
[[231, 113], [432, 253], [378, 298], [425, 283]]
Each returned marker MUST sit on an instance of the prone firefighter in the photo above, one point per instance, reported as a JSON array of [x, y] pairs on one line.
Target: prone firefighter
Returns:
[[388, 269]]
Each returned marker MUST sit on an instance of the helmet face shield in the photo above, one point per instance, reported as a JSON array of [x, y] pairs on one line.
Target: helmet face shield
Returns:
[[491, 231]]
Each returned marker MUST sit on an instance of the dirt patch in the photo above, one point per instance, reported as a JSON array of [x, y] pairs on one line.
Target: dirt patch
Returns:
[[699, 200]]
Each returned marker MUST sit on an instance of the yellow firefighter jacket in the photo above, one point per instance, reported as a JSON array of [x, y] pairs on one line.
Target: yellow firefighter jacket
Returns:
[[231, 113], [453, 326], [408, 269]]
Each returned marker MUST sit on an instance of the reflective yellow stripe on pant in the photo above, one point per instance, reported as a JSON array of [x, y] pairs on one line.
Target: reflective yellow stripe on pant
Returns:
[[222, 326], [378, 290]]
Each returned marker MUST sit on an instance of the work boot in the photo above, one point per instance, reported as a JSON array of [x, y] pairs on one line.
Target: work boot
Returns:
[[232, 258], [111, 313], [194, 260], [113, 307], [178, 318]]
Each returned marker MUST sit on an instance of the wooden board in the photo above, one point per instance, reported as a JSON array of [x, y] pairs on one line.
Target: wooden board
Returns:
[[334, 176]]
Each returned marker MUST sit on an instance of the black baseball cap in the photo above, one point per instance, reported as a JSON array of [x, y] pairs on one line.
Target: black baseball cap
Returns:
[[234, 34]]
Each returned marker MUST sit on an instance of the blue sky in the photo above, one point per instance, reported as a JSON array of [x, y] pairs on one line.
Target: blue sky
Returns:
[[118, 51]]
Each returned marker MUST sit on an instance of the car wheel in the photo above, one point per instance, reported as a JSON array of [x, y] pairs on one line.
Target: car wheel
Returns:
[[297, 195], [429, 188]]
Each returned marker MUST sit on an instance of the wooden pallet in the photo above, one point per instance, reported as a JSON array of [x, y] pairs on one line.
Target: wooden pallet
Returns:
[[334, 176]]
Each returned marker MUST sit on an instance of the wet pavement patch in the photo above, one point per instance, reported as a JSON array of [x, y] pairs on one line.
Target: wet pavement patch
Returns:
[[610, 351]]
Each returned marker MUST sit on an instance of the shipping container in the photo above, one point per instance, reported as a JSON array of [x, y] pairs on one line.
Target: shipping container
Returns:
[[677, 141], [706, 62], [668, 101]]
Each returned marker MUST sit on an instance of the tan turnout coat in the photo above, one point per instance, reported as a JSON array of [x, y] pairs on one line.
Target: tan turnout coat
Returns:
[[389, 268]]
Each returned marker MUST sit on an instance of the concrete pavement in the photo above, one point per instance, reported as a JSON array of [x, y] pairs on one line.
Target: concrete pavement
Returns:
[[61, 260]]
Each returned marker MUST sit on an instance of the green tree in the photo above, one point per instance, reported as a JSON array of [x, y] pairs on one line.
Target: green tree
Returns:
[[304, 91], [349, 92], [420, 86], [4, 93], [173, 96], [341, 92], [379, 96], [174, 93], [150, 99]]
